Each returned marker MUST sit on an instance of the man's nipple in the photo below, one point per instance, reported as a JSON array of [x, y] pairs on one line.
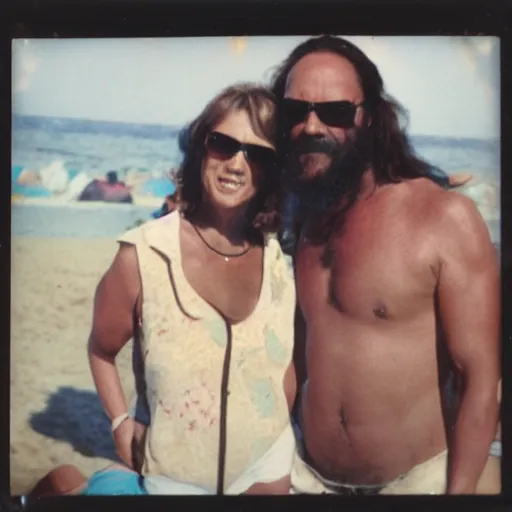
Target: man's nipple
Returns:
[[381, 311]]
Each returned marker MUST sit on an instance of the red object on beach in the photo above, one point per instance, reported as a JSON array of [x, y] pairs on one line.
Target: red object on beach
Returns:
[[63, 480], [102, 190]]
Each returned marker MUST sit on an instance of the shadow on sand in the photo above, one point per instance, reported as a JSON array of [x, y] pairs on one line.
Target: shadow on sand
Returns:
[[76, 416]]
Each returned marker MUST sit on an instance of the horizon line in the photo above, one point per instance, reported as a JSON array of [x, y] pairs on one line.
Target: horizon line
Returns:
[[180, 126]]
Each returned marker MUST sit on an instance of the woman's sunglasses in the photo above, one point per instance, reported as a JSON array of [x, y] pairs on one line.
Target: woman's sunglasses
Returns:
[[340, 114], [226, 147]]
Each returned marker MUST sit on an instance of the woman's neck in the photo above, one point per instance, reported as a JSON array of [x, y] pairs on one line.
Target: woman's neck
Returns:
[[227, 228]]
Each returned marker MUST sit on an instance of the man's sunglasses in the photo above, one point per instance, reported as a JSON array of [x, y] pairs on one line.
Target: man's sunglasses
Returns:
[[340, 114], [225, 147]]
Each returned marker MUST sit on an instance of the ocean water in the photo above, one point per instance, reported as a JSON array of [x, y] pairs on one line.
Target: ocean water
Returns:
[[94, 147]]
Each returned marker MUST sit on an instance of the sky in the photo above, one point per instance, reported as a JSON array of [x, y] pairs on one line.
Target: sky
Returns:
[[449, 85]]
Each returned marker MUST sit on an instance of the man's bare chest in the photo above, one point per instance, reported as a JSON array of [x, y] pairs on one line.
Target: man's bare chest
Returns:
[[377, 274]]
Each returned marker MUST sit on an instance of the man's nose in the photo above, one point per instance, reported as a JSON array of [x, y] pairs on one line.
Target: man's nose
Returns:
[[313, 125]]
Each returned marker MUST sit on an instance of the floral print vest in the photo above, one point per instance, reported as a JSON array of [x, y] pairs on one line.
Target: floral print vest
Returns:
[[184, 344]]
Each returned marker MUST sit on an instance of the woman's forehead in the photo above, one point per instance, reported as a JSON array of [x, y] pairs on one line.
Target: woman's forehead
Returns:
[[237, 124]]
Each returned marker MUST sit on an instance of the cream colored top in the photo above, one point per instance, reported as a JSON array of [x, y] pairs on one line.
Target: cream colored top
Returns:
[[183, 345]]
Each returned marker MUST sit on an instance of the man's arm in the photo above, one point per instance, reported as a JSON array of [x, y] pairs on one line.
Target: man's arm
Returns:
[[469, 306]]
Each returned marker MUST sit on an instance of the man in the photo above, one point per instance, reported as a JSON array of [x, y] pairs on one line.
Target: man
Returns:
[[398, 287]]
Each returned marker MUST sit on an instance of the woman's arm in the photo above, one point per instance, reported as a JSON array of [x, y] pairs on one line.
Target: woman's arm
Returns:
[[114, 307]]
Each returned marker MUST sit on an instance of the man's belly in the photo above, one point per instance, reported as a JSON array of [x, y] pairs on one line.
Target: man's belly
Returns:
[[371, 409]]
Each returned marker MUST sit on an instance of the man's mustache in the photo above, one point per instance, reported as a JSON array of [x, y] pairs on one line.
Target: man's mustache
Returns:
[[308, 144]]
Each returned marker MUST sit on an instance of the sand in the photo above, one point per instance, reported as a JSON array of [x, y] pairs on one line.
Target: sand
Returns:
[[56, 415], [138, 200]]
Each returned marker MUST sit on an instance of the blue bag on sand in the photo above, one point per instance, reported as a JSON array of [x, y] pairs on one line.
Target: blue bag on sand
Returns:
[[112, 482]]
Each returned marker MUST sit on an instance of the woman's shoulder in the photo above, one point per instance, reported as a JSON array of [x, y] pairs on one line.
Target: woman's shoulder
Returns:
[[280, 263], [144, 233], [273, 246]]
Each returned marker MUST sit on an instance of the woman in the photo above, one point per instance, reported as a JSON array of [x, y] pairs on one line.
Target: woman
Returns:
[[209, 300]]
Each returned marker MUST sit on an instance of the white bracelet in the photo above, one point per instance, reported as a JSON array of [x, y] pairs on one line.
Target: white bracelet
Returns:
[[117, 421]]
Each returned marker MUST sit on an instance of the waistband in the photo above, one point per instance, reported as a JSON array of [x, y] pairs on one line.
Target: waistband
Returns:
[[342, 489]]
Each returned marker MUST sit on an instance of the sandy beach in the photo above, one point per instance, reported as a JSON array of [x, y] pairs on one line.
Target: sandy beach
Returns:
[[56, 416], [138, 200]]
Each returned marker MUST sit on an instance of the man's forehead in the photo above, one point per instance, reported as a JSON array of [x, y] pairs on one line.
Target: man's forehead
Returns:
[[323, 75]]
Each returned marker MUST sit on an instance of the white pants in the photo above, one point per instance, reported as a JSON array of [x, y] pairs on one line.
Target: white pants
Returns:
[[275, 464]]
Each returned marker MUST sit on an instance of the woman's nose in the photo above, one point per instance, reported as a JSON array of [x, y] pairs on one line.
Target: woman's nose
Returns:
[[237, 162]]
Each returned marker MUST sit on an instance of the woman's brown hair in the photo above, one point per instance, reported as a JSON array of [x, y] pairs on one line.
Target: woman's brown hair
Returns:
[[259, 104]]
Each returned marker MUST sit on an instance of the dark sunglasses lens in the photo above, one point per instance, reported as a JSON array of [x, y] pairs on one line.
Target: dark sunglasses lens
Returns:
[[340, 114], [294, 112], [261, 156], [222, 144]]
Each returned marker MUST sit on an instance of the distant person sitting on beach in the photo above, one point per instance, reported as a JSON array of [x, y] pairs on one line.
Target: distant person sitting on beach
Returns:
[[209, 300], [171, 203], [110, 190]]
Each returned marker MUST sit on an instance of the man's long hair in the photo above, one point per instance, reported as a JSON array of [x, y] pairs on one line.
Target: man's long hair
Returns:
[[392, 157]]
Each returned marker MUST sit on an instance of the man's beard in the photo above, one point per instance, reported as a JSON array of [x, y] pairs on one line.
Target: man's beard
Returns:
[[317, 191]]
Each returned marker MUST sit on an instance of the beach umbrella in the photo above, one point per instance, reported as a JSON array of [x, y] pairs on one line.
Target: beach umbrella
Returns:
[[159, 187]]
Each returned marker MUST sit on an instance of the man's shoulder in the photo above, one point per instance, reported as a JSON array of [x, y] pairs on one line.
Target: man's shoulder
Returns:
[[444, 217], [424, 187], [453, 221], [439, 203]]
